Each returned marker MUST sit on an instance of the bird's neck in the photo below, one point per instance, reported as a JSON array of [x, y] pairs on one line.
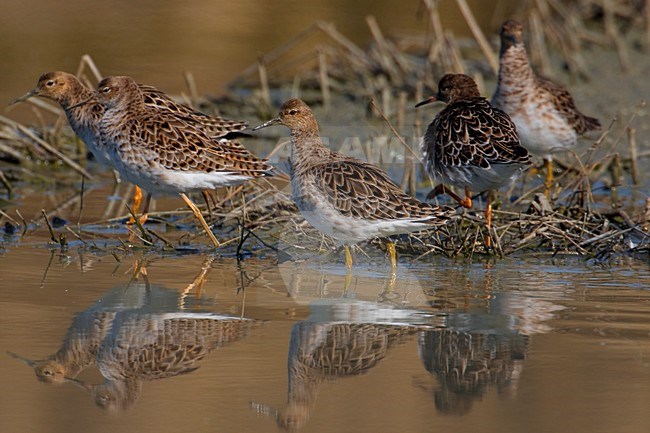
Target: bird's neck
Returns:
[[125, 107], [306, 147], [78, 95], [514, 69]]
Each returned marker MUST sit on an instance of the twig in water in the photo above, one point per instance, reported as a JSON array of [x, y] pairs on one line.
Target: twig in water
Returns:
[[47, 269], [49, 226], [81, 199], [76, 235], [162, 238], [634, 164], [24, 223]]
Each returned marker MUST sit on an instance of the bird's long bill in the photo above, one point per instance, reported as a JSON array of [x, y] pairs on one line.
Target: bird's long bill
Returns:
[[430, 99], [80, 383], [25, 97], [275, 121], [29, 362], [84, 102]]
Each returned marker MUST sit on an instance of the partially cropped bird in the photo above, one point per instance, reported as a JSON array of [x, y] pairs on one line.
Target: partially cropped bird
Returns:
[[545, 113]]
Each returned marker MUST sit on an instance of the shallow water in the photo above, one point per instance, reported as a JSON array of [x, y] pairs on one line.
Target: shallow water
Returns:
[[531, 343]]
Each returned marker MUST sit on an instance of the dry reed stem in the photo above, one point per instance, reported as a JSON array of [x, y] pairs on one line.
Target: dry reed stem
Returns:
[[49, 227], [611, 30], [6, 215], [87, 61], [539, 50], [384, 59], [490, 56], [190, 82], [264, 83], [394, 131], [646, 19], [45, 105], [634, 157], [455, 59], [5, 182], [324, 79]]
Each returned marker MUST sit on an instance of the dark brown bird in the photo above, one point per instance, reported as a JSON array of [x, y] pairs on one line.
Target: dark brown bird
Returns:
[[471, 144]]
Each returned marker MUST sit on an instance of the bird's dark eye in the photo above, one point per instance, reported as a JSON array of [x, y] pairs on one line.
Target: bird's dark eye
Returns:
[[105, 89], [50, 83], [47, 373], [293, 112]]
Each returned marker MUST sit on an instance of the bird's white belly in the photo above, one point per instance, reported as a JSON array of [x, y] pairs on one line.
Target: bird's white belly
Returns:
[[345, 229], [543, 130]]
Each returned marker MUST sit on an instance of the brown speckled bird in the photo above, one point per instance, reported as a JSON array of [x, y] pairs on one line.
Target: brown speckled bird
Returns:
[[78, 350], [468, 364], [325, 352], [545, 113], [471, 144], [345, 198], [166, 152], [67, 90], [145, 347]]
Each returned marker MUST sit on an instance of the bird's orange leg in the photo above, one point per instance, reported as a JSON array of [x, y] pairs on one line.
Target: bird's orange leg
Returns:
[[549, 177], [198, 216], [441, 189], [467, 203], [137, 201], [145, 210], [488, 219]]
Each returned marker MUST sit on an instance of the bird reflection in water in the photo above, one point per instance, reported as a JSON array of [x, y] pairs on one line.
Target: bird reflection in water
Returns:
[[79, 349], [150, 346], [485, 337], [136, 333], [341, 339], [468, 364]]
